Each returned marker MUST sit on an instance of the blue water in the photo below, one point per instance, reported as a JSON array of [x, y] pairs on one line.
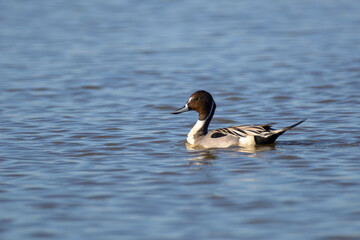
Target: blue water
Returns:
[[89, 149]]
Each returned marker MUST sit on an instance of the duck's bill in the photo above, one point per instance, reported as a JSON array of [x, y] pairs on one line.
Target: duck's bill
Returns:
[[181, 110]]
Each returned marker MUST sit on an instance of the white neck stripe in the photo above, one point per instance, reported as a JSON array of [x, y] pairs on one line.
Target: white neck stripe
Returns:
[[211, 109]]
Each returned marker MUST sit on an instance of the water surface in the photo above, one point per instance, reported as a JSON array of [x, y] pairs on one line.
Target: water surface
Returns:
[[89, 150]]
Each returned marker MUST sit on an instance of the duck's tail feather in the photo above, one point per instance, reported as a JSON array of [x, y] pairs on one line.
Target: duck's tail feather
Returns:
[[271, 138], [281, 131]]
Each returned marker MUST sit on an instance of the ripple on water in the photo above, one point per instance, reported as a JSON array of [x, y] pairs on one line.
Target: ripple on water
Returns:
[[89, 149]]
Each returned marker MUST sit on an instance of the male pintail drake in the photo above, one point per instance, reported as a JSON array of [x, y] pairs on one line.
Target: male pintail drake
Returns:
[[250, 135]]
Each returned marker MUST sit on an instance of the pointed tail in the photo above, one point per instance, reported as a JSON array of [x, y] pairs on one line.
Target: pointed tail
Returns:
[[273, 135], [281, 131]]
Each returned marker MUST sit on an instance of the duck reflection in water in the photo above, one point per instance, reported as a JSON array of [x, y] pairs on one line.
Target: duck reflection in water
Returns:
[[208, 156]]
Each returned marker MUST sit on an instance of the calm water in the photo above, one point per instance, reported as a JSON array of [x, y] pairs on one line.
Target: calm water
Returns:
[[89, 150]]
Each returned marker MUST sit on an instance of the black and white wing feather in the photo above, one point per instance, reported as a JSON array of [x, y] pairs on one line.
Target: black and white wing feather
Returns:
[[243, 131]]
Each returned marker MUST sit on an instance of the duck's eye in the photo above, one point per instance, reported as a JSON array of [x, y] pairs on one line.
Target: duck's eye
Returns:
[[196, 98]]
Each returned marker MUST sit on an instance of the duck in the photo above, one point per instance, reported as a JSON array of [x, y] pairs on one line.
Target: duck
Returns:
[[242, 135]]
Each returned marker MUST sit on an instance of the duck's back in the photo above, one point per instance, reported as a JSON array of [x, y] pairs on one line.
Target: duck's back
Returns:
[[246, 135]]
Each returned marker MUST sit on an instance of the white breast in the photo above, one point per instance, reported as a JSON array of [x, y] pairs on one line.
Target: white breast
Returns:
[[191, 136]]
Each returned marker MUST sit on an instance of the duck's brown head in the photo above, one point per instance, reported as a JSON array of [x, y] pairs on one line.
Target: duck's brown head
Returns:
[[200, 101]]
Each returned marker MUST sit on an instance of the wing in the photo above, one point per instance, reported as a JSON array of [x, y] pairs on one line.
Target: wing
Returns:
[[243, 131]]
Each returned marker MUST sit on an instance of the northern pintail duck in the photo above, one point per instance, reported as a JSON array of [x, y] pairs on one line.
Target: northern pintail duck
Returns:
[[247, 135]]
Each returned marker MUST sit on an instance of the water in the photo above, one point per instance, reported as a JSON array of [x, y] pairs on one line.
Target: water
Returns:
[[89, 150]]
